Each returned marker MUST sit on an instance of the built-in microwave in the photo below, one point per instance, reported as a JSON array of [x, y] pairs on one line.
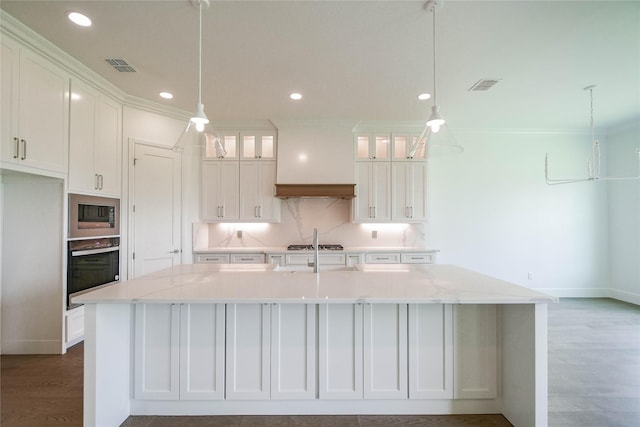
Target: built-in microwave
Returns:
[[93, 216]]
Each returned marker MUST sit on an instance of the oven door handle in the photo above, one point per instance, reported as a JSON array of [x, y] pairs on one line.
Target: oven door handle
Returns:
[[95, 251]]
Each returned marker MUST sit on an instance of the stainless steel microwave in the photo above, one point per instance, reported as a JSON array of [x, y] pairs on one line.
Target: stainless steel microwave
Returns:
[[93, 216]]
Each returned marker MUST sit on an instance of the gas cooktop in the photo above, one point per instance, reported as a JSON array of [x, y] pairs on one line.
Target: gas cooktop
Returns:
[[310, 247]]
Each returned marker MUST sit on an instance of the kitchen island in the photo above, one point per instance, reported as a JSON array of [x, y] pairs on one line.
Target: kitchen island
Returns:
[[207, 339]]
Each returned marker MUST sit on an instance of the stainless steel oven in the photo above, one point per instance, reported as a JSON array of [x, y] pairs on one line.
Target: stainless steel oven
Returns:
[[92, 264]]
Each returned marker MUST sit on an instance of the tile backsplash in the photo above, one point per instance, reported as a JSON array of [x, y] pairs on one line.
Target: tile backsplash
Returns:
[[332, 218]]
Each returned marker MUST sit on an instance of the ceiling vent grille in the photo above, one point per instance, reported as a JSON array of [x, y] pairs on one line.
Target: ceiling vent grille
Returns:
[[483, 84], [121, 65]]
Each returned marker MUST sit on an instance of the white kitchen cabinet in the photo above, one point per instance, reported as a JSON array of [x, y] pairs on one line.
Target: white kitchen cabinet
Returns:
[[430, 351], [257, 183], [95, 142], [409, 197], [157, 352], [293, 351], [373, 201], [179, 351], [258, 145], [229, 141], [403, 148], [383, 258], [417, 258], [476, 351], [375, 147], [278, 259], [353, 259], [248, 351], [220, 190], [213, 259], [74, 326], [247, 258], [340, 351], [385, 351], [307, 257], [35, 110], [202, 328]]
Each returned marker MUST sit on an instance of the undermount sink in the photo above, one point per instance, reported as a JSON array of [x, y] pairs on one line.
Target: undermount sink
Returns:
[[305, 269]]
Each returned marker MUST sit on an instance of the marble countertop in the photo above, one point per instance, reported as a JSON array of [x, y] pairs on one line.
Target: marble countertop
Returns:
[[261, 283], [283, 249]]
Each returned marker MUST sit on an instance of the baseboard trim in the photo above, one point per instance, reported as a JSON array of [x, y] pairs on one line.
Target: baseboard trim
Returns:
[[617, 294]]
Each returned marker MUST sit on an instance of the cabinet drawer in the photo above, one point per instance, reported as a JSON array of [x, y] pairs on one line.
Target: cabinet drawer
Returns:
[[386, 258], [325, 259], [212, 259], [417, 258], [247, 258]]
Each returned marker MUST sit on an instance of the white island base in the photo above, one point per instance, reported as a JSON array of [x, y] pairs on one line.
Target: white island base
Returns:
[[156, 346]]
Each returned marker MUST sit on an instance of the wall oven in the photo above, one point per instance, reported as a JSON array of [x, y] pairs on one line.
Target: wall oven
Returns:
[[92, 216], [92, 264]]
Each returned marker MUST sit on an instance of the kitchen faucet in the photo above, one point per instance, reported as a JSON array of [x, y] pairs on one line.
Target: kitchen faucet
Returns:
[[316, 257]]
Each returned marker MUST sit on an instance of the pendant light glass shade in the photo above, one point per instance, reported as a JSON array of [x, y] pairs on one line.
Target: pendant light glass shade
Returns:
[[204, 135], [436, 136]]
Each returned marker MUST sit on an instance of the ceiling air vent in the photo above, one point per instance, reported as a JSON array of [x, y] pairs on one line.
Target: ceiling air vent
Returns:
[[120, 65], [483, 84]]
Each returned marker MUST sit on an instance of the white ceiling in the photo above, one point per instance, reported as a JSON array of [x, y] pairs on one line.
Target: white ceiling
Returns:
[[365, 60]]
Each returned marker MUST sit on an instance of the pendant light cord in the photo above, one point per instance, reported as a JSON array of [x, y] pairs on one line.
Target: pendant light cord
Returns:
[[435, 86], [200, 55]]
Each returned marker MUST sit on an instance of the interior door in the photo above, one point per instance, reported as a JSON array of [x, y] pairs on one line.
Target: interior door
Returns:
[[156, 209]]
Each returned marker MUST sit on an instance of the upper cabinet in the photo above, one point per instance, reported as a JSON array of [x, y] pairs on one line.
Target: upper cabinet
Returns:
[[258, 145], [35, 110], [95, 142], [239, 185], [391, 178], [374, 147]]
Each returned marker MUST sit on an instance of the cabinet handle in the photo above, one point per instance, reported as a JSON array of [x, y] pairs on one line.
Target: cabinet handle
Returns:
[[260, 211], [222, 211], [374, 212], [406, 212], [101, 178], [16, 153], [411, 212], [255, 212], [96, 184], [24, 149]]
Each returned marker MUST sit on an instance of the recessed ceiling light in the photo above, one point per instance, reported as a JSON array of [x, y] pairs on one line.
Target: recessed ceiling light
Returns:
[[166, 95], [79, 19], [424, 96], [295, 96]]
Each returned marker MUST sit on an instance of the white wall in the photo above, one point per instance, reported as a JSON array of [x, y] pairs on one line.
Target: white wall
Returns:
[[624, 213], [491, 211]]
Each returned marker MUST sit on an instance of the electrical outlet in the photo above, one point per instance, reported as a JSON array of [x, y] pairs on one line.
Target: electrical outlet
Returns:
[[374, 234]]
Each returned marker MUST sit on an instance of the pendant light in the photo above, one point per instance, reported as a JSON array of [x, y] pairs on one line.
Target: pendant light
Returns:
[[436, 135], [206, 136], [593, 164]]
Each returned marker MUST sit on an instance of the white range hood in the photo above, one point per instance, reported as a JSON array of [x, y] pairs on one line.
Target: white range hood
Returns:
[[315, 159]]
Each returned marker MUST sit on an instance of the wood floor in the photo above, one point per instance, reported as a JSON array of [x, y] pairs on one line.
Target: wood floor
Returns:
[[594, 381]]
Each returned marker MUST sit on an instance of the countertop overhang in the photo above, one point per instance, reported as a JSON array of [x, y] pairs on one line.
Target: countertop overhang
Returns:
[[260, 283]]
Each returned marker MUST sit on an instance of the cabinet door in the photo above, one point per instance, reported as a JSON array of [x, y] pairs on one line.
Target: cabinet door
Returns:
[[248, 351], [431, 351], [375, 147], [257, 180], [82, 136], [385, 351], [374, 196], [220, 187], [44, 113], [409, 182], [476, 356], [202, 351], [109, 146], [229, 141], [258, 145], [157, 352], [403, 147], [340, 351], [293, 351], [9, 73]]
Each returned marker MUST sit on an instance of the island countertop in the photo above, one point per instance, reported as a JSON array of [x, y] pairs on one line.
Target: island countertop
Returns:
[[262, 283]]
